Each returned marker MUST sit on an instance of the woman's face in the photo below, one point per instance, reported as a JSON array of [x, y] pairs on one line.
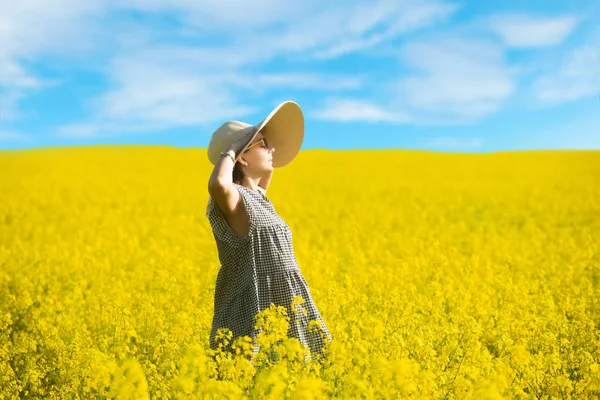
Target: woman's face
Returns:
[[259, 156]]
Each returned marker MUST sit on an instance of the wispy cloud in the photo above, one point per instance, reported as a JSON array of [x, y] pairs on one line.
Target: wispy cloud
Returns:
[[224, 16], [453, 143], [298, 81], [154, 91], [154, 96], [163, 64], [577, 134], [9, 99], [167, 85], [577, 77], [346, 110], [522, 30], [456, 80], [31, 29], [370, 23], [13, 75], [11, 136], [314, 29]]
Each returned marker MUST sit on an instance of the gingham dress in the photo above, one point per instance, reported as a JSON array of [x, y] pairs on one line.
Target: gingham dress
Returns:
[[258, 269]]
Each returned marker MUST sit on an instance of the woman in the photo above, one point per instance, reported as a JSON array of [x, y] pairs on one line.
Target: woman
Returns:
[[258, 265]]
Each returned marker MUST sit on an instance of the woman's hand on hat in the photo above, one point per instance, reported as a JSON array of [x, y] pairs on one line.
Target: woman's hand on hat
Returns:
[[239, 144]]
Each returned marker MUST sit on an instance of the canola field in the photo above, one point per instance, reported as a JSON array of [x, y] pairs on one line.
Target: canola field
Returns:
[[439, 275]]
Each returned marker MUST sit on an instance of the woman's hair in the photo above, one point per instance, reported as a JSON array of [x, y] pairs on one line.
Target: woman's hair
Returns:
[[238, 174]]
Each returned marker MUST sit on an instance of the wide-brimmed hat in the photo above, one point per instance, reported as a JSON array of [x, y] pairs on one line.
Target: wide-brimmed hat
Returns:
[[283, 128]]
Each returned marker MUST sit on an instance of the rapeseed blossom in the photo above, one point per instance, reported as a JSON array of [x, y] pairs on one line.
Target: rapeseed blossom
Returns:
[[444, 276]]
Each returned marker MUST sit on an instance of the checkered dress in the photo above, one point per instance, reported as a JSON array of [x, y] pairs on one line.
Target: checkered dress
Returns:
[[258, 269]]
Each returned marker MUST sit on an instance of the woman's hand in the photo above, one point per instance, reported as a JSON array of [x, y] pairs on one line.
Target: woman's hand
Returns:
[[239, 144]]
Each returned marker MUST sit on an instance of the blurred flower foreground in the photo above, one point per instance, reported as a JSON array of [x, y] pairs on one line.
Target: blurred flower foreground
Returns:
[[469, 276]]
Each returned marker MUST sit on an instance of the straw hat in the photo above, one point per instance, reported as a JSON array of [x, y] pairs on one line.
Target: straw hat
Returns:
[[283, 128]]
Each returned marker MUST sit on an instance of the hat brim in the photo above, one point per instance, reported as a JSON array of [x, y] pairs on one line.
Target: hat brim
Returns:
[[284, 130]]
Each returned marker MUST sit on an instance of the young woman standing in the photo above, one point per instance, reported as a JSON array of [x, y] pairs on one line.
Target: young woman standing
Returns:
[[258, 264]]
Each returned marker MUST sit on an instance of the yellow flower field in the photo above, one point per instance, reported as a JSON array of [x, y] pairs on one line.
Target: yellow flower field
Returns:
[[438, 275]]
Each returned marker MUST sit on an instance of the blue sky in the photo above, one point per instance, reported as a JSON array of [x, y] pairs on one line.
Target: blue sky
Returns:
[[443, 76]]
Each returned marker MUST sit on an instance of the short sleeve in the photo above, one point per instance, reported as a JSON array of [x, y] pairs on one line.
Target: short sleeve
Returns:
[[221, 229]]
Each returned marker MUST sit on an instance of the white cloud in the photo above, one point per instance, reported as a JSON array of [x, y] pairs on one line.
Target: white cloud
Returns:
[[521, 30], [577, 77], [455, 143], [9, 99], [166, 93], [269, 28], [11, 136], [156, 95], [225, 15], [15, 85], [153, 91], [36, 27], [364, 24], [160, 86], [102, 129], [574, 134], [346, 110], [31, 29], [308, 29], [13, 75], [302, 81], [77, 131], [458, 80], [333, 32]]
